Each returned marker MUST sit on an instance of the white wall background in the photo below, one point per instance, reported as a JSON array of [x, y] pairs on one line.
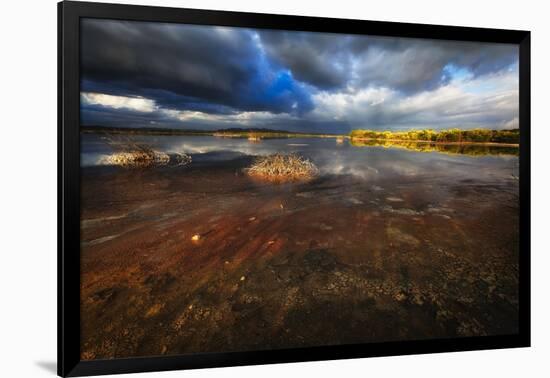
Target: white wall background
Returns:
[[28, 187]]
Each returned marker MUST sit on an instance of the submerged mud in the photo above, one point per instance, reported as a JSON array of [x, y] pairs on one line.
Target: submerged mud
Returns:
[[336, 260]]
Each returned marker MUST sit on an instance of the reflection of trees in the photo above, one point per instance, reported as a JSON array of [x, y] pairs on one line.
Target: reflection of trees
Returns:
[[451, 135], [465, 149]]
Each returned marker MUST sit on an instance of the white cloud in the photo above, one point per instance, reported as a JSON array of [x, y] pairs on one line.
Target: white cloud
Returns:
[[350, 104], [243, 118], [511, 124], [487, 101], [117, 102]]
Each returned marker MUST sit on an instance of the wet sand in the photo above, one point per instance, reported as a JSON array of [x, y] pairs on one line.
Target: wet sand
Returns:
[[336, 260]]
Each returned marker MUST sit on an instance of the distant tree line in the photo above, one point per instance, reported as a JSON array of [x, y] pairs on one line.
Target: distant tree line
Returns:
[[451, 135]]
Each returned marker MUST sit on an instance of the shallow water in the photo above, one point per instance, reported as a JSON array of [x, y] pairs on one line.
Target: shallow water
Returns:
[[360, 160], [385, 244]]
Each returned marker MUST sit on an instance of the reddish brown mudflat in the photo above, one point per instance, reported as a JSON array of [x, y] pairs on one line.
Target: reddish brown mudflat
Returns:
[[333, 260]]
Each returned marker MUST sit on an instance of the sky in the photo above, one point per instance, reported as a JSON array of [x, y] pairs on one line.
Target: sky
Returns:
[[143, 74]]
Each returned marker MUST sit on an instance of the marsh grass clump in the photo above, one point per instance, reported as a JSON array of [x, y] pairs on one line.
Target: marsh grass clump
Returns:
[[138, 155], [138, 159], [282, 168]]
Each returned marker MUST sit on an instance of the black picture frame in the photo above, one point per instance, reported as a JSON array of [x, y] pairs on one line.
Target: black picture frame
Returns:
[[69, 14]]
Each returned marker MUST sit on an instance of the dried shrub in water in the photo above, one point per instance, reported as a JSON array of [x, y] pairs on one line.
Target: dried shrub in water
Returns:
[[282, 168], [138, 155]]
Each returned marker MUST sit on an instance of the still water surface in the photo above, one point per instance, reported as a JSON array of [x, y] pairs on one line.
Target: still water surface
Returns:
[[332, 158]]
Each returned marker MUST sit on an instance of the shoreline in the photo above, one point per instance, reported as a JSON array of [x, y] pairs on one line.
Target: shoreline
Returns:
[[284, 135], [260, 135]]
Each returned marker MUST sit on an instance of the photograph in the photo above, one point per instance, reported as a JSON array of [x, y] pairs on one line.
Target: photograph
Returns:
[[255, 189]]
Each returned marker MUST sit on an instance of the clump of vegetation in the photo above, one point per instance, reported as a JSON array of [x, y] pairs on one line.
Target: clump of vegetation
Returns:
[[140, 159], [442, 136], [283, 168], [138, 155]]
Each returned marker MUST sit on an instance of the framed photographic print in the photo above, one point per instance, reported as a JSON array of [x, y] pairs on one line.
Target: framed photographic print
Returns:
[[240, 188]]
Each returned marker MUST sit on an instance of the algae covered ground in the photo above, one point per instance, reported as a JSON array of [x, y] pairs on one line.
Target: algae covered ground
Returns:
[[382, 244]]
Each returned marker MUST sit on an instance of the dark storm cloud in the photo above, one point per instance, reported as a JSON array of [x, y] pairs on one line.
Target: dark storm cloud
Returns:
[[416, 65], [162, 97], [184, 65], [141, 74], [98, 115], [333, 61], [317, 59]]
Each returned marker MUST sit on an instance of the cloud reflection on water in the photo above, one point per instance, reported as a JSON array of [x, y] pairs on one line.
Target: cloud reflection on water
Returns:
[[366, 163]]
